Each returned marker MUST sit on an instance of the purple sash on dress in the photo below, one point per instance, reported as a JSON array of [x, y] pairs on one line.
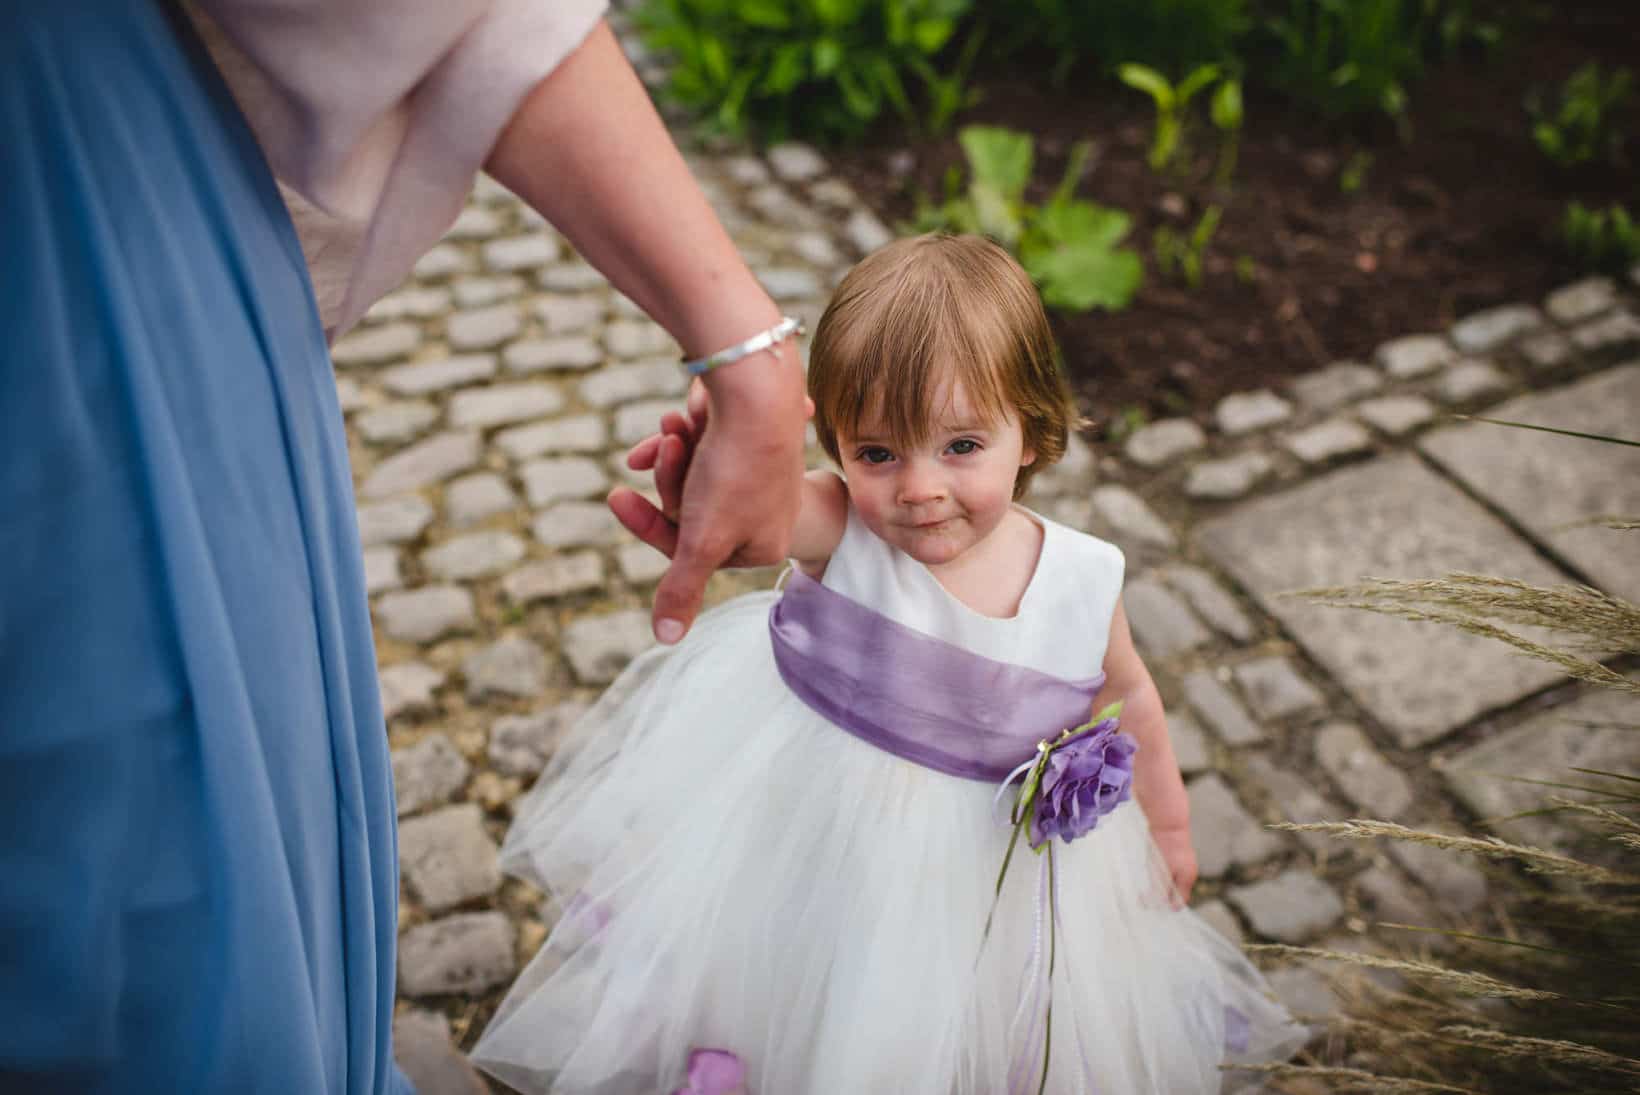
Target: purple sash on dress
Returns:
[[910, 694]]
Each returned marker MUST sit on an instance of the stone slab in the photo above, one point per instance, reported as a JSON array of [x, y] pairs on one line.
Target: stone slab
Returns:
[[1390, 518], [1595, 731], [1546, 481]]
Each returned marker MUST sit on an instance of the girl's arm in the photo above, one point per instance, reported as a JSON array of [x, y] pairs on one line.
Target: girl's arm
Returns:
[[1157, 782], [822, 516]]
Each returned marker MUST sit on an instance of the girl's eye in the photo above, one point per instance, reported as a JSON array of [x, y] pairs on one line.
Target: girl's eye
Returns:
[[964, 446], [875, 454]]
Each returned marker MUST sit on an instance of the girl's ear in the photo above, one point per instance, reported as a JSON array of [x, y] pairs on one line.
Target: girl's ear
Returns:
[[1027, 457]]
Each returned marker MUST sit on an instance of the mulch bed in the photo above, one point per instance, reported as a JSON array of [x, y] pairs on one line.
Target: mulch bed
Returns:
[[1461, 215]]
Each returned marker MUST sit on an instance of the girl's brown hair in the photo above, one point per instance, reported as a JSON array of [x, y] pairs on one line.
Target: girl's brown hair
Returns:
[[928, 308]]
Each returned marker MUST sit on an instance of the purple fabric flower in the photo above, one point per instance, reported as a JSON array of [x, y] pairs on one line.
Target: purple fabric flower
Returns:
[[1085, 779], [713, 1072]]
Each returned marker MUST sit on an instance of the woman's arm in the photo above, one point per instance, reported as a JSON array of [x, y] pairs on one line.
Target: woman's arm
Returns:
[[1157, 783], [587, 149]]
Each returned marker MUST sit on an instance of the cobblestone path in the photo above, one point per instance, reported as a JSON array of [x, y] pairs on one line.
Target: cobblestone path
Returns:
[[488, 402]]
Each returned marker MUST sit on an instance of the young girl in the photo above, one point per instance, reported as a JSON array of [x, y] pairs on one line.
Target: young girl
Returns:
[[786, 850]]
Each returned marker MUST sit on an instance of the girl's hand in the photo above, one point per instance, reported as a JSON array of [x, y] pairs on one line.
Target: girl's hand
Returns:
[[1180, 856]]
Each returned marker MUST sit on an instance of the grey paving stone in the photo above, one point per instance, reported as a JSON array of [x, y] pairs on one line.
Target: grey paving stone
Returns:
[[1305, 993], [461, 953], [490, 192], [1373, 784], [1396, 415], [349, 395], [422, 464], [423, 1052], [1300, 802], [1618, 331], [558, 353], [472, 292], [1232, 477], [615, 384], [1164, 441], [558, 576], [474, 222], [1339, 383], [374, 345], [503, 404], [1581, 300], [1275, 690], [442, 260], [1221, 919], [550, 480], [418, 302], [1470, 380], [834, 192], [641, 564], [1131, 520], [1589, 732], [816, 249], [393, 521], [482, 328], [635, 421], [473, 498], [425, 377], [520, 252], [513, 666], [381, 570], [1392, 900], [407, 688], [745, 170], [1327, 441], [1414, 355], [1546, 351], [632, 338], [1163, 625], [1492, 328], [422, 615], [1224, 833], [1546, 482], [1293, 907], [521, 745], [794, 161], [791, 282], [866, 232], [447, 858], [561, 314], [1245, 412], [1190, 746], [1219, 709], [571, 277], [1456, 883], [474, 555], [585, 433], [599, 647], [396, 423], [1391, 518], [576, 524], [428, 773], [1211, 600]]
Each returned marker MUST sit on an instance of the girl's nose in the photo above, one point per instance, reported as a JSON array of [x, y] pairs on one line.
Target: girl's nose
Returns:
[[920, 485]]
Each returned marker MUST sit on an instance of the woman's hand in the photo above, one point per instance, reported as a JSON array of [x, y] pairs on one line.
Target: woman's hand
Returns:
[[1180, 856]]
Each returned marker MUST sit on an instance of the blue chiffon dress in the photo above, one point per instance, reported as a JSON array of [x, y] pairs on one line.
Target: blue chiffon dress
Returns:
[[198, 870]]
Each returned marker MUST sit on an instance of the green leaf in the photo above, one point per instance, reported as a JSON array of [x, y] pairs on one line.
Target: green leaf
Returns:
[[1000, 158], [787, 68], [828, 54], [1193, 83], [859, 96], [1114, 711], [932, 34], [1080, 278], [772, 14], [1079, 223], [1226, 109], [1149, 81], [714, 58], [996, 214]]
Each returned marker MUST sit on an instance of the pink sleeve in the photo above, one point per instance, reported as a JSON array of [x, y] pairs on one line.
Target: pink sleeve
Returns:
[[380, 112]]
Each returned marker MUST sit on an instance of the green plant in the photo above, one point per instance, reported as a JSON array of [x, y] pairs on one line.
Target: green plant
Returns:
[[1172, 102], [818, 68], [1228, 113], [1601, 239], [1171, 36], [1128, 421], [1067, 245], [1353, 176], [1347, 57], [1179, 255], [1586, 125]]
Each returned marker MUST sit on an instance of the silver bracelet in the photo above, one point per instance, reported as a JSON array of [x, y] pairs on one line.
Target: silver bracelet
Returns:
[[761, 341]]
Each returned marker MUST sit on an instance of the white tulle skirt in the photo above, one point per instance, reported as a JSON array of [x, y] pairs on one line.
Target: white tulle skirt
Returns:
[[734, 872]]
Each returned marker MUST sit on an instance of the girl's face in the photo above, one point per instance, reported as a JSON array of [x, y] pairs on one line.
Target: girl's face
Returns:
[[936, 501]]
